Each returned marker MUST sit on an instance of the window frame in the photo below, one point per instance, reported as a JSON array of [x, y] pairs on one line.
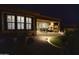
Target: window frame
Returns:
[[15, 23], [29, 23], [8, 22], [20, 23]]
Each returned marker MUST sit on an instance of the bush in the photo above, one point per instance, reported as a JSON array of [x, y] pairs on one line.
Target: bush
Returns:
[[73, 42]]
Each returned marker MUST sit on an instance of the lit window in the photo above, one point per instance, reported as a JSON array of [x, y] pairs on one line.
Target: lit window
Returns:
[[28, 23], [20, 22], [42, 26], [10, 21]]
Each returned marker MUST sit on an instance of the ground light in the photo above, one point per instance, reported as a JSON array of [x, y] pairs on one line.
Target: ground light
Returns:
[[52, 38], [43, 38]]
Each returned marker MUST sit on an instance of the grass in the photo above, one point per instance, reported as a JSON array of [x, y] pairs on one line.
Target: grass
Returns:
[[56, 41]]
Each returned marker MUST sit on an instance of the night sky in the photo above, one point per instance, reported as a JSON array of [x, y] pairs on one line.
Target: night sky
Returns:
[[68, 13]]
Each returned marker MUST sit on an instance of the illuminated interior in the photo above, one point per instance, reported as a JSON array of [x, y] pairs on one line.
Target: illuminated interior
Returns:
[[47, 29], [42, 26]]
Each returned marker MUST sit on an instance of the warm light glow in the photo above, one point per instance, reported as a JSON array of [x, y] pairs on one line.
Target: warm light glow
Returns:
[[61, 33], [52, 23], [42, 25], [44, 38], [51, 26], [54, 40], [48, 37], [53, 44]]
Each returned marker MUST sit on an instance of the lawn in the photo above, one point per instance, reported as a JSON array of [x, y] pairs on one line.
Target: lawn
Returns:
[[56, 41]]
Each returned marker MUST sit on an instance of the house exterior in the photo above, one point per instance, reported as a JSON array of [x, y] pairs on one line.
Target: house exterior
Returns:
[[17, 23]]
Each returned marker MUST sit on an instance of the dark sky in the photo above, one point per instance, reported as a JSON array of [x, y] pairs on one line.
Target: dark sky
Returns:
[[68, 13]]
